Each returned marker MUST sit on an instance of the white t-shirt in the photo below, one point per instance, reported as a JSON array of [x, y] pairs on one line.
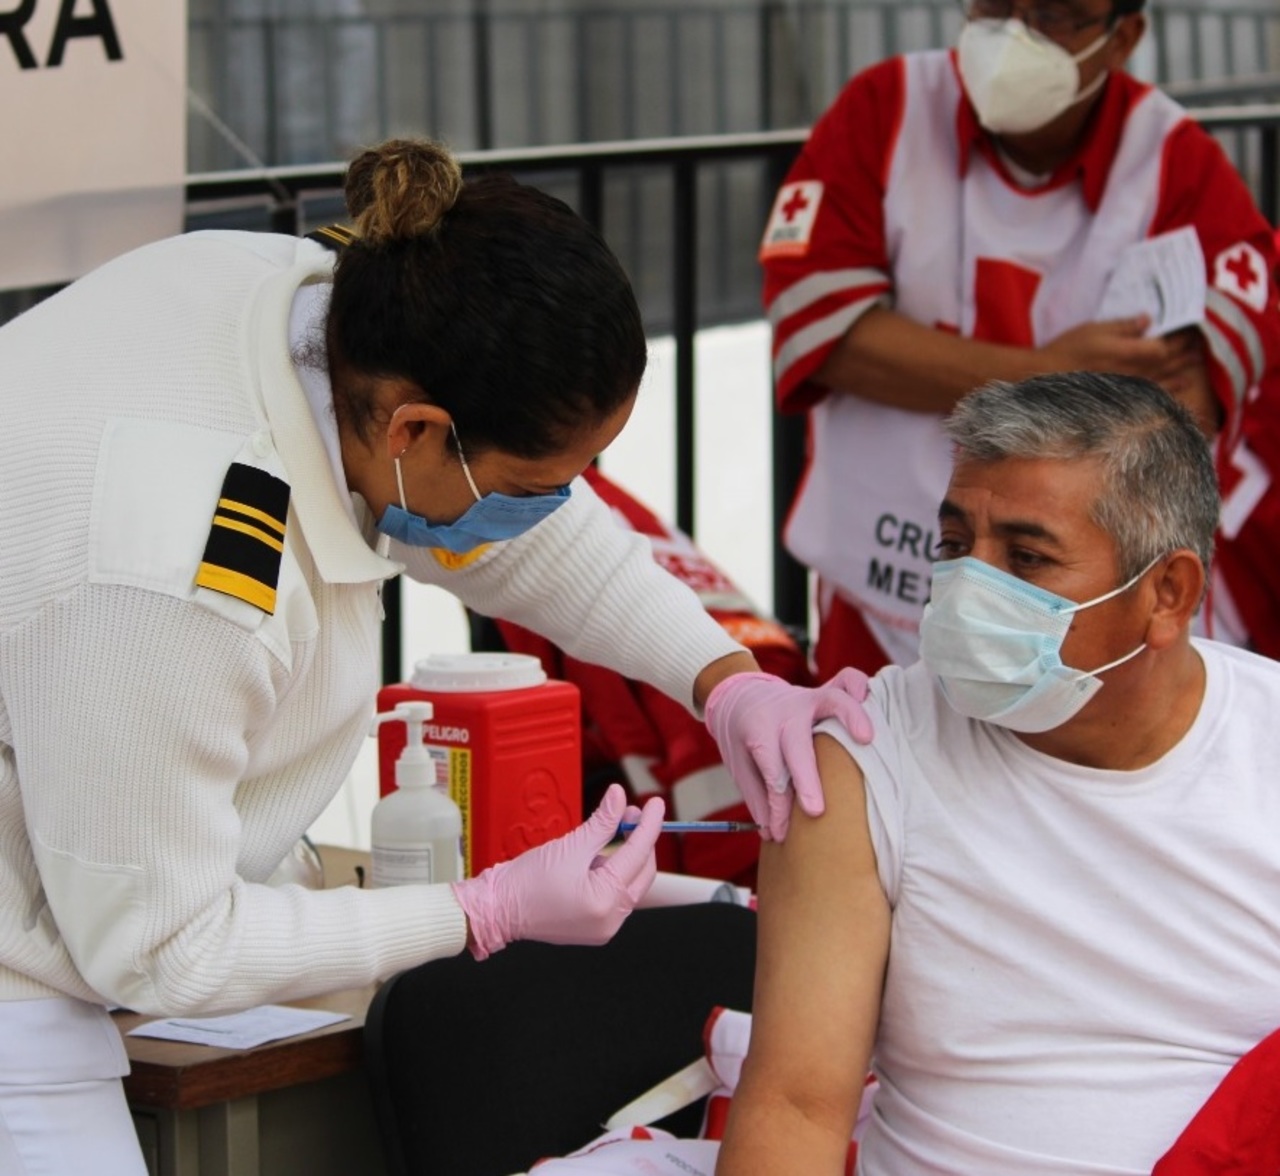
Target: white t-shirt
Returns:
[[1077, 956]]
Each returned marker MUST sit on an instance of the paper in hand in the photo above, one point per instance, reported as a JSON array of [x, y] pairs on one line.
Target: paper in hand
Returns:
[[1162, 277]]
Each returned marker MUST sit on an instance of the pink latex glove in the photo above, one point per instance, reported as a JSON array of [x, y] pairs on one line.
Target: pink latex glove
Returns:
[[566, 890], [763, 726]]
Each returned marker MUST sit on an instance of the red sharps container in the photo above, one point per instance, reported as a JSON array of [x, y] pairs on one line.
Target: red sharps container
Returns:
[[507, 742]]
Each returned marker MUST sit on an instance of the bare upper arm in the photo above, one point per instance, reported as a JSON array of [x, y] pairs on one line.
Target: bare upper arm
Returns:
[[824, 937]]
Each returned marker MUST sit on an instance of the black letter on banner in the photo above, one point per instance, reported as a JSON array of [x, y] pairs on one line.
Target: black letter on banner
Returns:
[[880, 578], [11, 26], [99, 24]]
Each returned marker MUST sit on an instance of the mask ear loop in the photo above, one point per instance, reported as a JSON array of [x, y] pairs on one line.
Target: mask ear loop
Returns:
[[1092, 88], [1114, 591], [1088, 51], [383, 545], [1118, 662], [1098, 42], [400, 481], [462, 457]]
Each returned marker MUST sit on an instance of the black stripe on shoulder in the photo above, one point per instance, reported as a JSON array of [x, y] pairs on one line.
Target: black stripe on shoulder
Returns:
[[253, 487], [335, 237], [246, 537], [238, 552]]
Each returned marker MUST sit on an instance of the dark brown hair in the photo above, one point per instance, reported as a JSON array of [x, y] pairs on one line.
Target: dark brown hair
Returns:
[[494, 298]]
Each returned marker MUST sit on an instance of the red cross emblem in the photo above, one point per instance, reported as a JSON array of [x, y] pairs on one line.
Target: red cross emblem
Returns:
[[1241, 271], [791, 224], [797, 203], [1241, 265]]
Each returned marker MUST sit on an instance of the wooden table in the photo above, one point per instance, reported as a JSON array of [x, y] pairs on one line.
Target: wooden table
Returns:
[[296, 1107]]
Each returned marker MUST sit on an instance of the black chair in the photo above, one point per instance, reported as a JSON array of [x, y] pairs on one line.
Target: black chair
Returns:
[[481, 1069]]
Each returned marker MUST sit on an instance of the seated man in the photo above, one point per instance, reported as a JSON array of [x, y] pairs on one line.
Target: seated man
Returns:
[[1044, 904]]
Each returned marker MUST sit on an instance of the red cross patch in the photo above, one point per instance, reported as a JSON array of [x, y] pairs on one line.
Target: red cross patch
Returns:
[[791, 222], [1241, 272]]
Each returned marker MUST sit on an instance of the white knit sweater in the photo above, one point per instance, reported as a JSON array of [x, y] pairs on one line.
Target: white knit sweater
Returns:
[[163, 746]]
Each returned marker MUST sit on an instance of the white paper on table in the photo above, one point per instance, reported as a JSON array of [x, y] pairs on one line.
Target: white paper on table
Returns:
[[240, 1030], [1162, 277]]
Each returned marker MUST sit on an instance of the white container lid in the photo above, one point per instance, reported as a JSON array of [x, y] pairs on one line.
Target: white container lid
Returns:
[[458, 673]]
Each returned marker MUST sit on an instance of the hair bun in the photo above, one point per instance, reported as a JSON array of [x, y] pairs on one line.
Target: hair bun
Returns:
[[401, 189]]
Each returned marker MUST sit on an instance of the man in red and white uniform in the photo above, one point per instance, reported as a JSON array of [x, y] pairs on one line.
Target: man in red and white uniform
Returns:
[[956, 217]]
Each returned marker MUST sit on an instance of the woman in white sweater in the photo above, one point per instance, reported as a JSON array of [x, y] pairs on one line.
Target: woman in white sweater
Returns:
[[215, 450]]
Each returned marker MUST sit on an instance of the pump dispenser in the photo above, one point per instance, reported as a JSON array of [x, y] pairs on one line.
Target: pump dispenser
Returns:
[[417, 829]]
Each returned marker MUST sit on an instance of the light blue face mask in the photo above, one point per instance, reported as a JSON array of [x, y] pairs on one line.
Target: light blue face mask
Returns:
[[995, 644], [492, 518]]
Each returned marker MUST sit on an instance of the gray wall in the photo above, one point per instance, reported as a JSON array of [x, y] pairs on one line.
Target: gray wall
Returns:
[[305, 81]]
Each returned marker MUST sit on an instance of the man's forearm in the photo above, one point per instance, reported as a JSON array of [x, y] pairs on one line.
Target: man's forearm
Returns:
[[888, 358]]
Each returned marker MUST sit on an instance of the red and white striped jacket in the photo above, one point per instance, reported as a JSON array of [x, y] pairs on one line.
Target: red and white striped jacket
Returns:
[[900, 198]]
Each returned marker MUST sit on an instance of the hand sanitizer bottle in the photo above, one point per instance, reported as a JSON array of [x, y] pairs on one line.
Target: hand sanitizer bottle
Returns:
[[417, 829]]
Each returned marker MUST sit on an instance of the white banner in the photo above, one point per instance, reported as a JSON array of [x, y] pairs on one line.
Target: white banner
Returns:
[[93, 140]]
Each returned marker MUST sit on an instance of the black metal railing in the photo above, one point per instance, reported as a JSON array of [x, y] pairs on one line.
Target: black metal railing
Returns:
[[625, 188], [294, 199]]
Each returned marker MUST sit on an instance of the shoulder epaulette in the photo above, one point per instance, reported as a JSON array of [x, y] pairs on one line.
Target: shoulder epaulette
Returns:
[[335, 237], [246, 537]]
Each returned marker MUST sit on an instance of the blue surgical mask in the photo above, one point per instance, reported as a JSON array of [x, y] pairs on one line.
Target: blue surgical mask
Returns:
[[492, 518], [995, 644]]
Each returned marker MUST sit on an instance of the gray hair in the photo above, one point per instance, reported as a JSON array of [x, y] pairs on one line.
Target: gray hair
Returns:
[[1158, 491]]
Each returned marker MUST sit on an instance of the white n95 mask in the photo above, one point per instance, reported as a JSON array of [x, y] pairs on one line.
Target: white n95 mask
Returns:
[[1018, 80], [994, 643]]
